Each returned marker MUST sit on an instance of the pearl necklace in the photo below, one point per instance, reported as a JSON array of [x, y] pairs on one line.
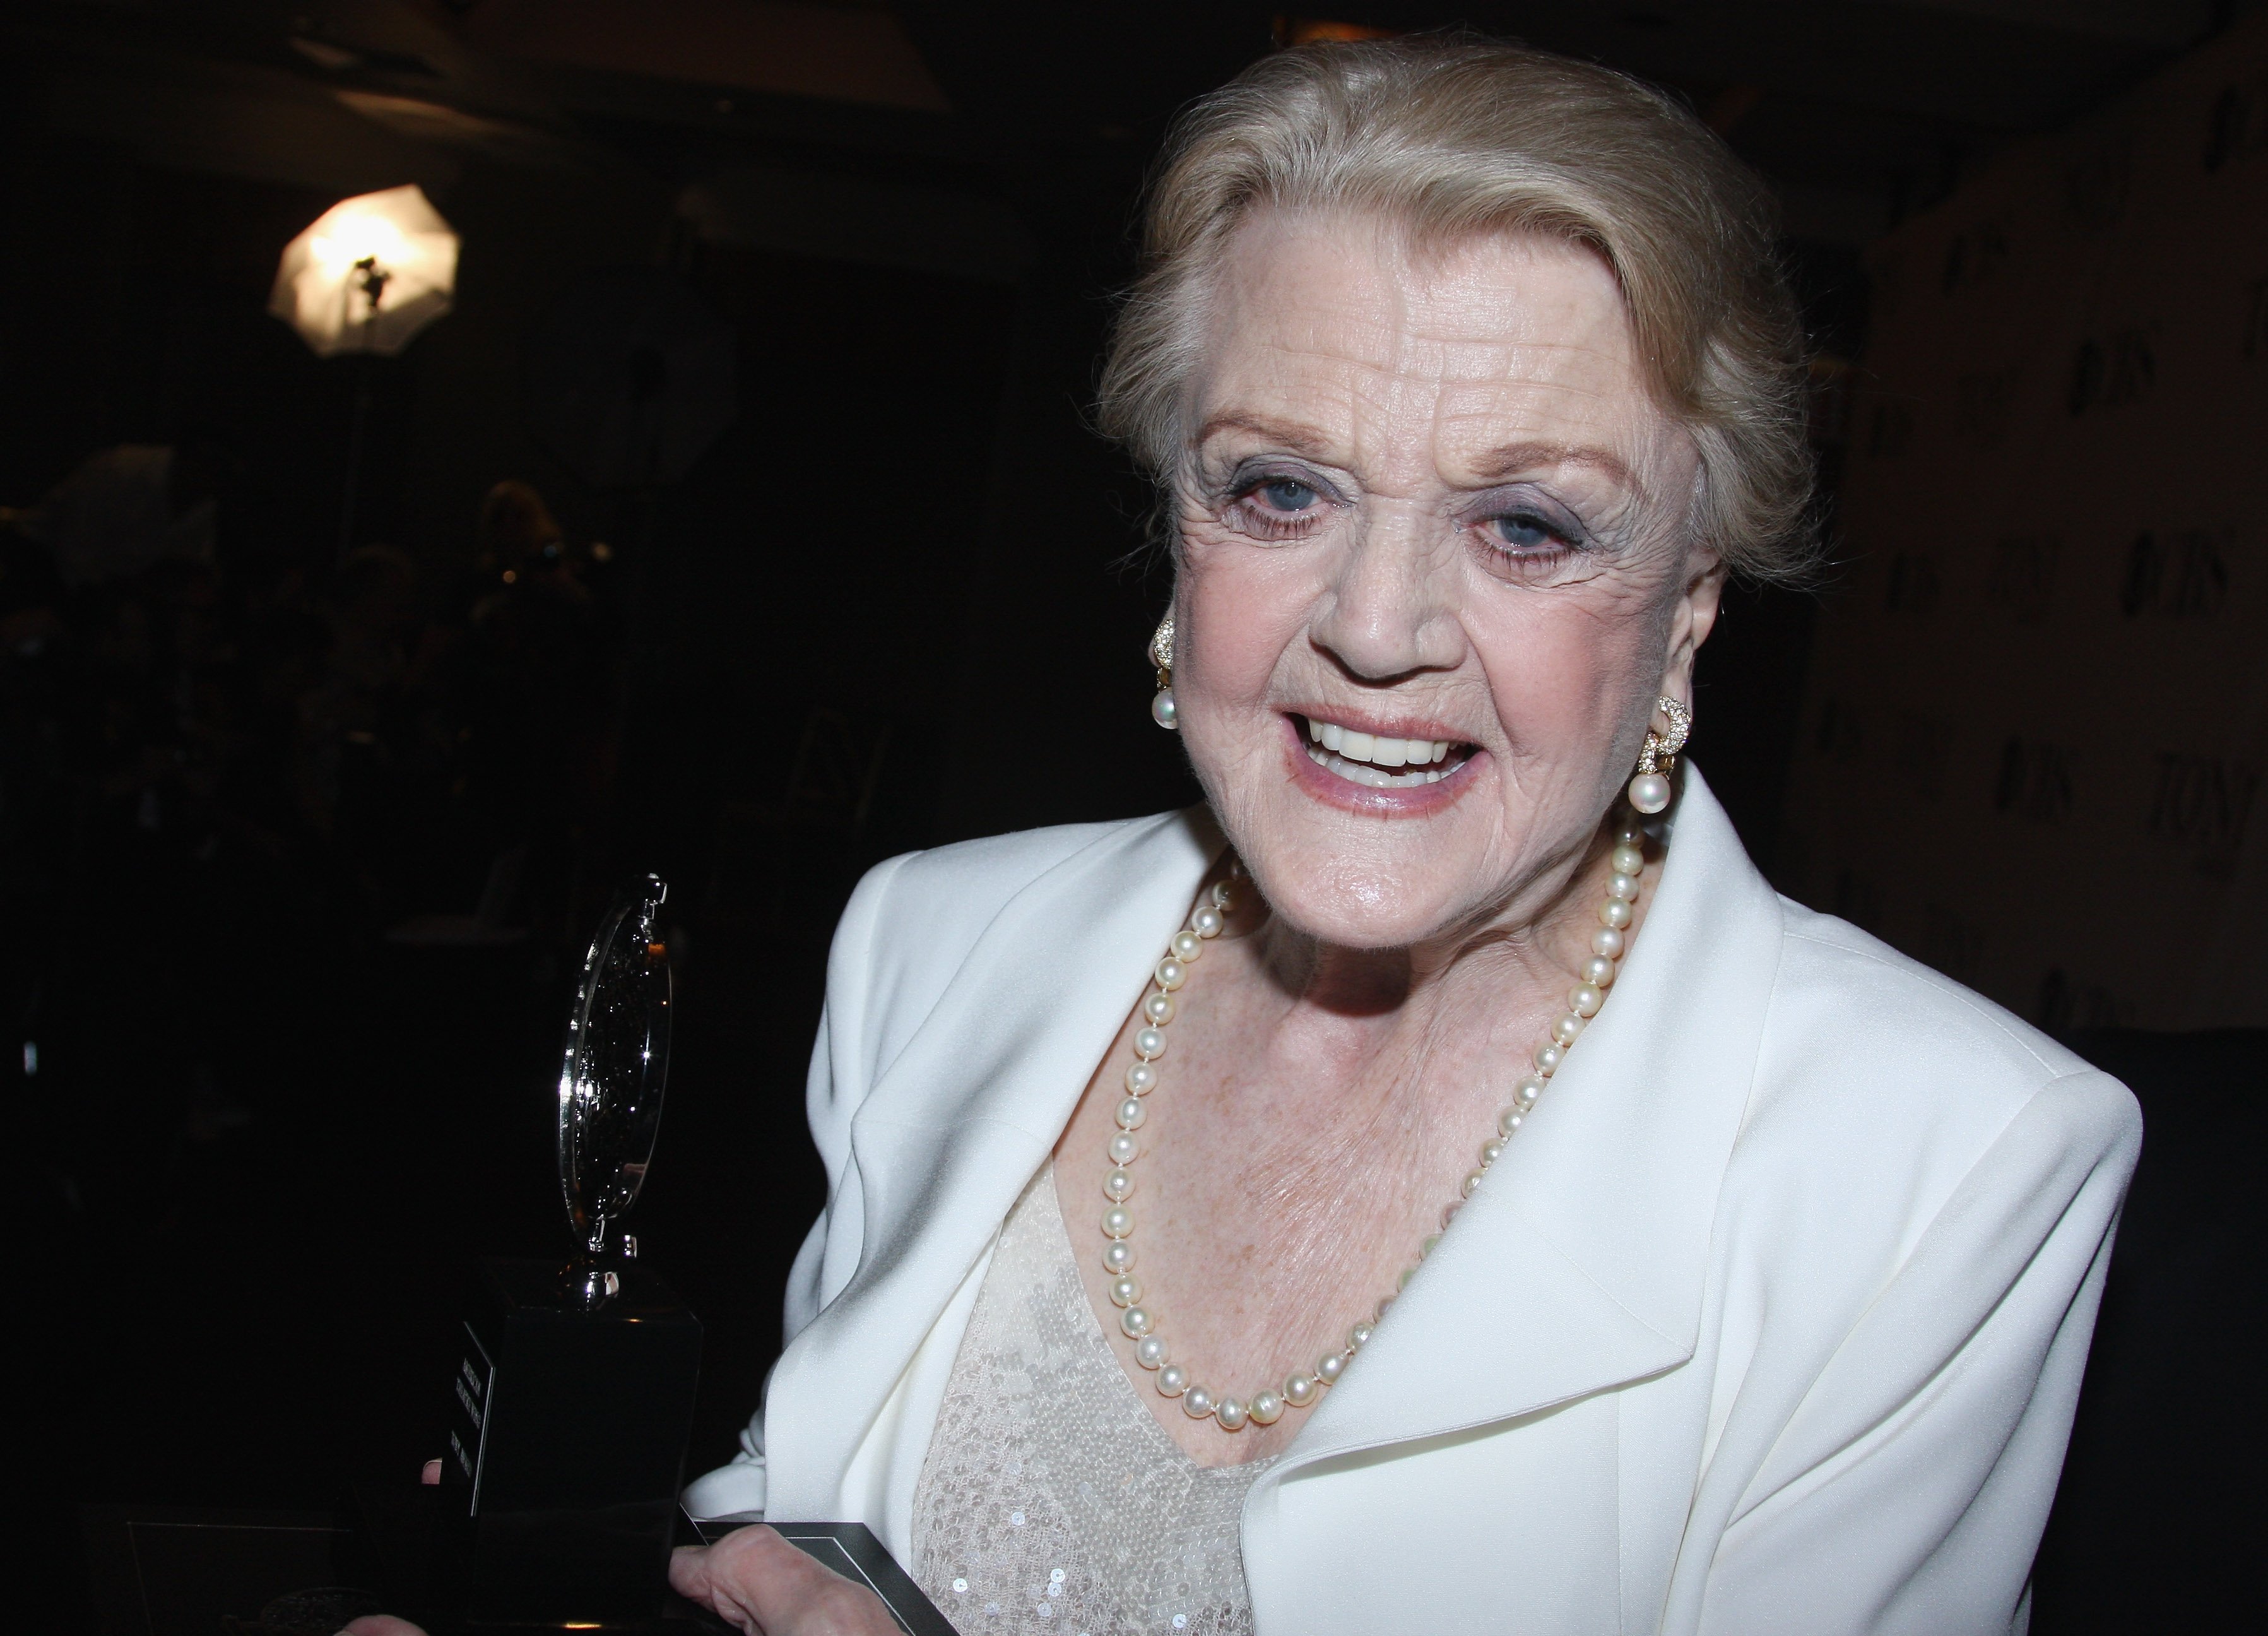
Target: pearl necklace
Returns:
[[1303, 1387]]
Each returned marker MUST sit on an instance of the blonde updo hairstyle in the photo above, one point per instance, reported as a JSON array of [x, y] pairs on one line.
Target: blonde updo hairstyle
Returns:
[[1449, 138]]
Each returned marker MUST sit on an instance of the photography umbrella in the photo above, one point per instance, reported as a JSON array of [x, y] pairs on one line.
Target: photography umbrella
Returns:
[[362, 281], [368, 273]]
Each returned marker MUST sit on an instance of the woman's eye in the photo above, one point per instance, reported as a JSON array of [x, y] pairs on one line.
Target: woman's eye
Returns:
[[1525, 531], [1287, 495], [1281, 507]]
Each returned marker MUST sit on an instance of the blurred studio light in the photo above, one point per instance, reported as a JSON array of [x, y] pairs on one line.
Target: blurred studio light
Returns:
[[371, 273]]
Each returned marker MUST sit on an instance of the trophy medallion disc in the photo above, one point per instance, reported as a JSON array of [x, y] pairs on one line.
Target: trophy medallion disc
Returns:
[[616, 1066]]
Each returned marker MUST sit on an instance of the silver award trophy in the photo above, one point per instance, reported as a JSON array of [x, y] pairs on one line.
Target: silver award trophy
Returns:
[[573, 1399], [611, 1082]]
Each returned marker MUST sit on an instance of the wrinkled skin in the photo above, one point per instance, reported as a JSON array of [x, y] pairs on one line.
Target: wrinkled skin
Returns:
[[755, 1581], [1432, 488]]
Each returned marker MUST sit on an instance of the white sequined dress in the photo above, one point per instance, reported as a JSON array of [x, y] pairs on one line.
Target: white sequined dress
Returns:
[[1050, 1500]]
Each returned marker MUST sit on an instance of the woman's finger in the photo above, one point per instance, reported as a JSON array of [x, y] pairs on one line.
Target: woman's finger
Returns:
[[759, 1583]]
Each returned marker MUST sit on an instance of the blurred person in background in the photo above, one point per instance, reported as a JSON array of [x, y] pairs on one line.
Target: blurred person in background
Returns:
[[538, 688]]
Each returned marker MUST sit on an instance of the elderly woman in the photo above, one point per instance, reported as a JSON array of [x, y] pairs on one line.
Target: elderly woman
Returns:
[[1436, 1185]]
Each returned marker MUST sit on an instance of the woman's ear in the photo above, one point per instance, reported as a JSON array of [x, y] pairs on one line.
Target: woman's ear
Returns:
[[1691, 619]]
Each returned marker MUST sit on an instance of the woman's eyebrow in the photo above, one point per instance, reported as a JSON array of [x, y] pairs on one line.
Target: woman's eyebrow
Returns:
[[1492, 466], [1498, 463], [1291, 434]]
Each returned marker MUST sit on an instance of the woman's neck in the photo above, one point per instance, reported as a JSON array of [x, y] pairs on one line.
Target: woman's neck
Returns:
[[1536, 942]]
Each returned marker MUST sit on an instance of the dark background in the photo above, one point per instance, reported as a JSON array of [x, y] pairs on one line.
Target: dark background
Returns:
[[301, 842]]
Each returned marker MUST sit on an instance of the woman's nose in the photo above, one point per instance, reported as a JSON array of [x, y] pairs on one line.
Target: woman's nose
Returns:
[[1388, 610]]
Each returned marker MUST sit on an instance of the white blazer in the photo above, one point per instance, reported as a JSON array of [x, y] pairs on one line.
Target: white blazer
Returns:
[[1772, 1320]]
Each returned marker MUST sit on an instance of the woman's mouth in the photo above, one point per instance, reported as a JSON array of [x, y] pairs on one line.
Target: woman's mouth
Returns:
[[1378, 762]]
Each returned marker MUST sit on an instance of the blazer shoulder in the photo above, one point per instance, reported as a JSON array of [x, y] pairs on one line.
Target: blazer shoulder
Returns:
[[1835, 975], [1853, 1018], [914, 919], [1882, 1092], [976, 879]]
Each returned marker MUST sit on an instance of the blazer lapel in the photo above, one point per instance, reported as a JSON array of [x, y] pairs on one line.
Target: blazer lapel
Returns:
[[955, 1127], [1579, 1263]]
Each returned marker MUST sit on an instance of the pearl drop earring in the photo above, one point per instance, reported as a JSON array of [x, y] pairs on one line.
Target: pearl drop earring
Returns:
[[1162, 709], [1650, 790]]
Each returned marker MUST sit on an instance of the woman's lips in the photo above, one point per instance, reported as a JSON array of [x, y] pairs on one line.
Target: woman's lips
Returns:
[[1376, 772]]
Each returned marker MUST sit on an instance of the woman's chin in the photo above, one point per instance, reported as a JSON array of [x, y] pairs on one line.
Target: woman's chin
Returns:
[[1350, 906]]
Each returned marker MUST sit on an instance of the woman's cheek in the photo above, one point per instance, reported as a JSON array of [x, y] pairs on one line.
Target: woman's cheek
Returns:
[[1243, 612]]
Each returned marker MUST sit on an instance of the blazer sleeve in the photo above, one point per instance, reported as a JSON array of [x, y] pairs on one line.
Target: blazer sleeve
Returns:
[[1907, 1491], [842, 1073]]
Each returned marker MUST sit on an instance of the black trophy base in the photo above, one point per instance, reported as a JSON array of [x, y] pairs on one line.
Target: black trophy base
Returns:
[[416, 1542], [570, 1410]]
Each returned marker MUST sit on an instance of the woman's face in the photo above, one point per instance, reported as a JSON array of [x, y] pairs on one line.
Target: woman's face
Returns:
[[1428, 502]]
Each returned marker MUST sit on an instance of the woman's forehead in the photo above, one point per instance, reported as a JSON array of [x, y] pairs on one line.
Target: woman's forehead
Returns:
[[1331, 323]]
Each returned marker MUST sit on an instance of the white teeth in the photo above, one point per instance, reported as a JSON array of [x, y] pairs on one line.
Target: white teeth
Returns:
[[1374, 777], [1375, 749], [1359, 757]]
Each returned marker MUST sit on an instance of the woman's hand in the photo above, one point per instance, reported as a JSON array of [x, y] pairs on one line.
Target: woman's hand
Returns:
[[757, 1583], [753, 1581]]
